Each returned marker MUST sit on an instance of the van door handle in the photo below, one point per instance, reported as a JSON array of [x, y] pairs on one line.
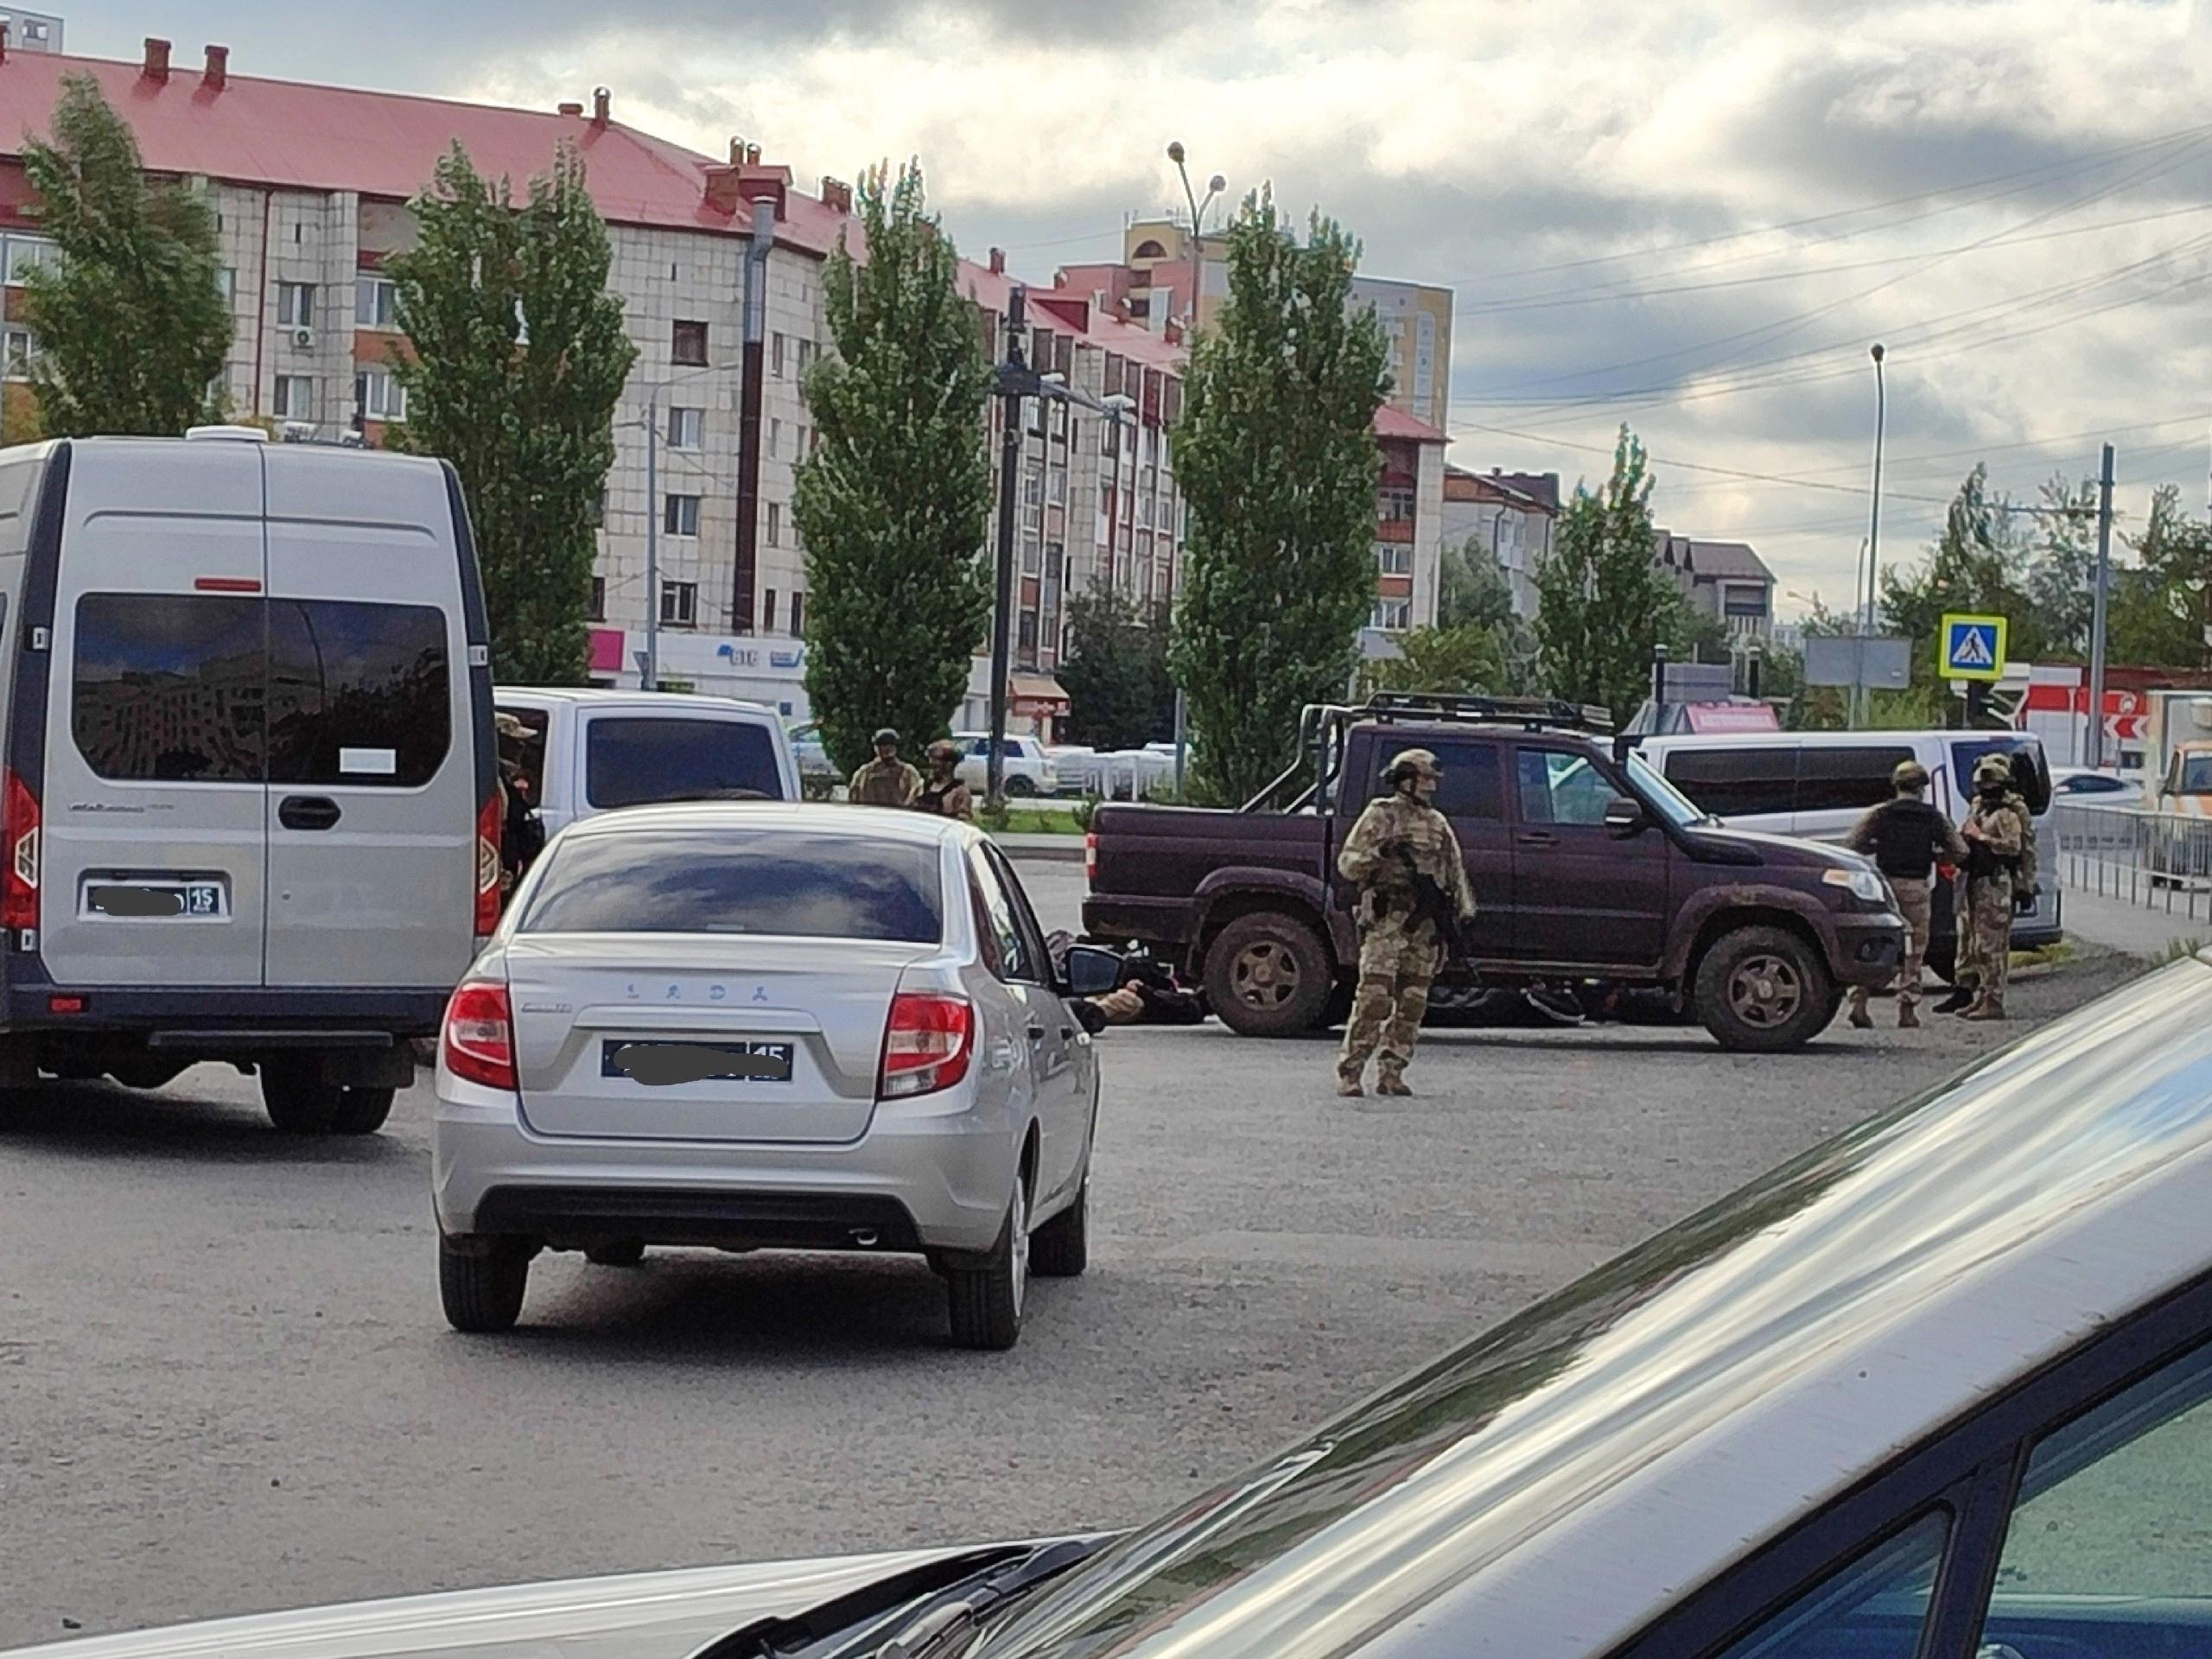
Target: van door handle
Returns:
[[309, 812], [1535, 838]]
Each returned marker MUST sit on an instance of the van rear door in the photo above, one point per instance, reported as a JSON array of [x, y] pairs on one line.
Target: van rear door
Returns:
[[631, 758], [152, 793], [372, 807]]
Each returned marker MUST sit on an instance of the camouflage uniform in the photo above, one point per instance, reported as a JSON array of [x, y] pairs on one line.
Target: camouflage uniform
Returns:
[[2000, 828], [1399, 952], [890, 782]]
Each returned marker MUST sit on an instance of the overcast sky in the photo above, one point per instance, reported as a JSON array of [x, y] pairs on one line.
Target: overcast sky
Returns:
[[1694, 217]]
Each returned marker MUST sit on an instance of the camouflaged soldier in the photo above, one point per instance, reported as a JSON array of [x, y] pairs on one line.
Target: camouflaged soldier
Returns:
[[2000, 842], [1399, 948], [1908, 839]]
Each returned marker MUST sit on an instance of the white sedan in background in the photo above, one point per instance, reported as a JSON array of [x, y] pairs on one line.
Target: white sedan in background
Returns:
[[1029, 770], [756, 1026]]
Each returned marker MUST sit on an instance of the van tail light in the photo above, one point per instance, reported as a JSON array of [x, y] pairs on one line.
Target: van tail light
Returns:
[[479, 1039], [19, 824], [927, 1044], [1090, 859], [487, 867]]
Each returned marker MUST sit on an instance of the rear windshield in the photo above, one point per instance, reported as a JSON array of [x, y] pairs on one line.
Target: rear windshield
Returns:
[[634, 759], [813, 886]]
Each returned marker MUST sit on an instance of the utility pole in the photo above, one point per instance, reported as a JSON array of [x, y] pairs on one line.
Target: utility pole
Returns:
[[2093, 749], [745, 579], [652, 542], [1014, 374]]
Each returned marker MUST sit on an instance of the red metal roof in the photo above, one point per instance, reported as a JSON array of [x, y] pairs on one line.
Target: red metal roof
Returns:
[[1394, 423]]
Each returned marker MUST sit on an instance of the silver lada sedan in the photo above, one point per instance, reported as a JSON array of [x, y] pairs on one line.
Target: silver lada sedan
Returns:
[[755, 1026]]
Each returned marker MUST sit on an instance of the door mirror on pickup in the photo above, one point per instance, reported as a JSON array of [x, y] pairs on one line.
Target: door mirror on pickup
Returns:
[[1626, 818], [1090, 971]]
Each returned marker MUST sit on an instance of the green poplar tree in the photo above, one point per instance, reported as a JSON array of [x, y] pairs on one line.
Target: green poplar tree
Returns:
[[1276, 455], [518, 357], [131, 328], [1115, 674], [1602, 600], [892, 502]]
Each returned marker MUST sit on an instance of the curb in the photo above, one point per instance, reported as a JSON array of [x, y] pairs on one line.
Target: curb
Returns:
[[1042, 849]]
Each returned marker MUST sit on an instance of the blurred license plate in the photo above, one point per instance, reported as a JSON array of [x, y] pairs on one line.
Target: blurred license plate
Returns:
[[667, 1063], [154, 899]]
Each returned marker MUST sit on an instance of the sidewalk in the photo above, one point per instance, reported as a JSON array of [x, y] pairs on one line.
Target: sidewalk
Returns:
[[1057, 848], [2138, 930]]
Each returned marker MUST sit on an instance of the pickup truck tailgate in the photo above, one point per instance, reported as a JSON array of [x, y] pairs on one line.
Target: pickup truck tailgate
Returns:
[[1149, 862]]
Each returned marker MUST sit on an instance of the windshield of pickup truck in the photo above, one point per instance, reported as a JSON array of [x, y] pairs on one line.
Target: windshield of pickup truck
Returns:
[[1660, 795]]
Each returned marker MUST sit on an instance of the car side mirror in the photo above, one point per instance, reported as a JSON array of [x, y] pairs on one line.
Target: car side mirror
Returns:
[[1090, 971], [1625, 817]]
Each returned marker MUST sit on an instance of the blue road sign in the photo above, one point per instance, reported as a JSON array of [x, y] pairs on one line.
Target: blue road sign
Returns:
[[1971, 647]]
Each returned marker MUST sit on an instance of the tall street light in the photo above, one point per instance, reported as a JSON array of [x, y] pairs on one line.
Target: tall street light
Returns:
[[1215, 186], [653, 512], [1873, 524]]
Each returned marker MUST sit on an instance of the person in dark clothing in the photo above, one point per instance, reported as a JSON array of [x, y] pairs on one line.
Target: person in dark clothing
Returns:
[[522, 832], [1907, 838], [943, 794]]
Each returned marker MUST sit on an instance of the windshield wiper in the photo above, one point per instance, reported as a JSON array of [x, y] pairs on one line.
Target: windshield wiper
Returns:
[[990, 1575]]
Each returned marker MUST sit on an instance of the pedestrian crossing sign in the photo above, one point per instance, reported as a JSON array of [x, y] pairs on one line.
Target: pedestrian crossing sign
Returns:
[[1971, 648]]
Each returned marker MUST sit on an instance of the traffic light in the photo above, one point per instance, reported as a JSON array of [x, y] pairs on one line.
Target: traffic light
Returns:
[[1979, 710]]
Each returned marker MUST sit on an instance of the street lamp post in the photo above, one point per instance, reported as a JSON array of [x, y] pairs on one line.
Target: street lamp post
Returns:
[[1873, 533], [653, 511], [1215, 186]]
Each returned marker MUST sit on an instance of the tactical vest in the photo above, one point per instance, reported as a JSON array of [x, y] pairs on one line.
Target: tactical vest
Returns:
[[1908, 836]]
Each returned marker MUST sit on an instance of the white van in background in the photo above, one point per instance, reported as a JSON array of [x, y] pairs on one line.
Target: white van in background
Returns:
[[250, 810], [591, 750], [1818, 785]]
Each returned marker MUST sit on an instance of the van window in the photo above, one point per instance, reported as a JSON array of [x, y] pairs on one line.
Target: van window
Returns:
[[170, 687], [629, 759], [2031, 771], [1847, 779], [358, 693], [1737, 783]]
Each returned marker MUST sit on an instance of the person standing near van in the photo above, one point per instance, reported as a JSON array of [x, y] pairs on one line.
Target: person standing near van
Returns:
[[2000, 840], [1405, 862], [886, 780], [522, 832], [1907, 838], [943, 795]]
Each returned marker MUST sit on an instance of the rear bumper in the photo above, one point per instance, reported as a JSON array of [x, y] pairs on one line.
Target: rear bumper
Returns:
[[1156, 921], [216, 1016], [922, 1178]]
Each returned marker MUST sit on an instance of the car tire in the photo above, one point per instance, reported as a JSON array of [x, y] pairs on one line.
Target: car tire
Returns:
[[1021, 786], [1762, 990], [1061, 1247], [483, 1289], [1269, 975], [362, 1110], [617, 1253], [986, 1300], [297, 1099]]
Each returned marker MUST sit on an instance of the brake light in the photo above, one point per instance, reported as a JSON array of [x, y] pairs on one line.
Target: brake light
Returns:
[[480, 1036], [926, 1044], [1090, 859], [487, 867], [19, 811]]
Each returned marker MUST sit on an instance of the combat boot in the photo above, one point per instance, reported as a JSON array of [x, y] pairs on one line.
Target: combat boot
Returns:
[[1861, 1019], [1989, 1008], [1958, 1001], [1391, 1083], [1347, 1085], [1908, 1017]]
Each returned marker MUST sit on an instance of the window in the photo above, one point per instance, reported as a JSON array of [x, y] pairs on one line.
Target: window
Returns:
[[378, 396], [1557, 787], [1396, 504], [775, 439], [2113, 1513], [1393, 615], [375, 302], [804, 447], [775, 524], [226, 282], [1737, 783], [171, 686], [1005, 949], [680, 514], [24, 252], [2031, 767], [631, 760], [1393, 558], [296, 305], [798, 886], [598, 511], [19, 352], [798, 614], [1471, 786], [679, 603], [687, 343], [598, 612], [768, 612], [359, 694], [776, 356], [806, 355], [1744, 601], [1846, 779], [687, 427], [1872, 1607], [1029, 639], [295, 398]]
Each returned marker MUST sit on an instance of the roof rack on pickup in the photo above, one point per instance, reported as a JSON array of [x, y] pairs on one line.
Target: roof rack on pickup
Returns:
[[1534, 712]]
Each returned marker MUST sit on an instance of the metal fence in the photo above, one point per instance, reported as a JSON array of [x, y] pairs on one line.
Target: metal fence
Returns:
[[2158, 861]]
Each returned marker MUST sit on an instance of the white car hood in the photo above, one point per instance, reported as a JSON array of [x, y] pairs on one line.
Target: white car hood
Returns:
[[638, 1616]]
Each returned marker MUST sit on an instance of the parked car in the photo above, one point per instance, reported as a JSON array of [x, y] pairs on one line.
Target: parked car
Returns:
[[1943, 1386], [591, 750], [2091, 786], [1029, 770], [1820, 784], [1585, 865], [807, 1027], [251, 809], [811, 753]]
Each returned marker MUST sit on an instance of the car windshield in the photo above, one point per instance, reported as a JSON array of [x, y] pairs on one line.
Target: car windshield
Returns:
[[2196, 774], [1661, 796], [818, 886]]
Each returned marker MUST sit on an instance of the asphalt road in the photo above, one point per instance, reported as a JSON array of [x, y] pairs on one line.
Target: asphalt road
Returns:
[[227, 1386]]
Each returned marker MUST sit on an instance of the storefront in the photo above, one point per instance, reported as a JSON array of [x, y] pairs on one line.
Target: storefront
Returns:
[[772, 671]]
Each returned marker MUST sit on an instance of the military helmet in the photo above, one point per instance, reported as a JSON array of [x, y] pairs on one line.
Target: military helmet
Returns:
[[944, 749], [885, 734], [1412, 763], [1910, 774], [511, 727], [1991, 767]]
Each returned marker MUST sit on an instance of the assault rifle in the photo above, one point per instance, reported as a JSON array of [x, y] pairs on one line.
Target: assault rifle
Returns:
[[1433, 904]]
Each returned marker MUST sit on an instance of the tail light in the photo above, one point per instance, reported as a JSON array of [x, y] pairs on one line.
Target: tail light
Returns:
[[487, 867], [19, 824], [926, 1044], [480, 1036], [1090, 859]]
